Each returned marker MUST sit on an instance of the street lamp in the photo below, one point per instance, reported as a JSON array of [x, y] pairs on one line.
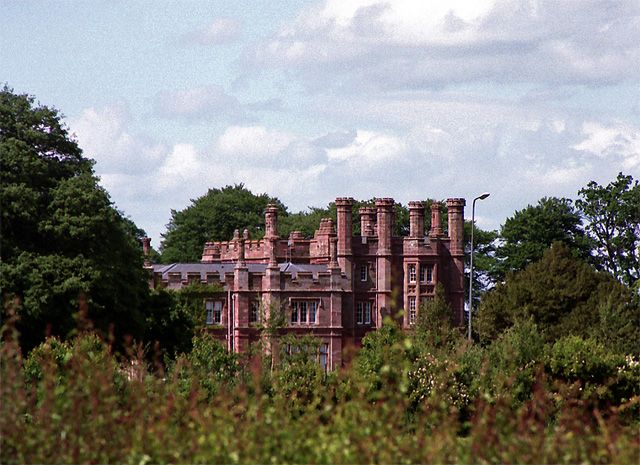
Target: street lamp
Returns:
[[473, 222]]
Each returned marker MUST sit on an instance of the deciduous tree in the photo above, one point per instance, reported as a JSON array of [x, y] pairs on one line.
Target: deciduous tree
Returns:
[[530, 232], [214, 217], [63, 243], [613, 221]]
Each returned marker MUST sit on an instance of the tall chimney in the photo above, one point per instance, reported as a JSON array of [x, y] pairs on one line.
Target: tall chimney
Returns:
[[416, 219], [146, 250], [367, 221], [384, 208], [436, 221], [271, 221], [455, 212], [344, 205]]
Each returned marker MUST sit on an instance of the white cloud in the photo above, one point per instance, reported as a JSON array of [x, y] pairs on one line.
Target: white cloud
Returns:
[[255, 144], [103, 136], [405, 44], [205, 103], [369, 150], [437, 149], [617, 140], [219, 31]]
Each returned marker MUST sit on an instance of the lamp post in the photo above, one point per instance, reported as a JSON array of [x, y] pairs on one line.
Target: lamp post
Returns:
[[473, 223]]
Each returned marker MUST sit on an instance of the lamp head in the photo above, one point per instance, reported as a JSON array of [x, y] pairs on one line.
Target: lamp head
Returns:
[[484, 195]]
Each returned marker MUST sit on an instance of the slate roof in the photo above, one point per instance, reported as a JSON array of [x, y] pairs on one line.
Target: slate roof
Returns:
[[203, 268]]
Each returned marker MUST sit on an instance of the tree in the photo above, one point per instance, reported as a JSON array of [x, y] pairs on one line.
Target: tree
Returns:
[[485, 262], [530, 232], [564, 296], [613, 221], [64, 247], [214, 217]]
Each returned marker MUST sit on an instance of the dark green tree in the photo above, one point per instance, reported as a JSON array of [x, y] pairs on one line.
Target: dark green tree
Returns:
[[613, 221], [64, 246], [564, 296], [530, 232], [214, 217]]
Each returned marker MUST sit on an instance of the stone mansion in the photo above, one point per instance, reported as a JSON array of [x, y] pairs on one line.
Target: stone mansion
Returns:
[[336, 286]]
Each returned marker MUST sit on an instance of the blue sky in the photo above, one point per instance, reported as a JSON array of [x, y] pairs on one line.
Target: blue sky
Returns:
[[313, 100]]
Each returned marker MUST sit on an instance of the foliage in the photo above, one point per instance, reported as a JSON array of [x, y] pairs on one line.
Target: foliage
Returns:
[[485, 262], [84, 406], [208, 364], [563, 296], [602, 376], [169, 323], [63, 244], [214, 217], [613, 221], [434, 328], [530, 232]]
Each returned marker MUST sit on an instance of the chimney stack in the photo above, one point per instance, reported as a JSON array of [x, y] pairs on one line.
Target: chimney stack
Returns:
[[271, 221], [436, 220], [384, 208], [455, 213], [416, 219], [367, 221]]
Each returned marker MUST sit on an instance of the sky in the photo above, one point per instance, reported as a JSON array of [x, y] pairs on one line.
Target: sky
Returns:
[[312, 100]]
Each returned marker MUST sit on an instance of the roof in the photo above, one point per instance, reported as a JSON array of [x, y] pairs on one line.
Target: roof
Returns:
[[207, 268]]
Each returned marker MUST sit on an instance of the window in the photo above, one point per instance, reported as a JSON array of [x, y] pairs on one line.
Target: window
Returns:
[[412, 310], [412, 273], [324, 356], [214, 312], [254, 311], [363, 313], [304, 311], [364, 272], [426, 273]]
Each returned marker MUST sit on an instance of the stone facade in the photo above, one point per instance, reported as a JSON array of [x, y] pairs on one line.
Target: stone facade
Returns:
[[336, 286]]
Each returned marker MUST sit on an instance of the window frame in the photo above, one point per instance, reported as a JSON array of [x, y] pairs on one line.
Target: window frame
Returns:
[[213, 309], [411, 271], [364, 312], [254, 312], [412, 310], [364, 272], [310, 309]]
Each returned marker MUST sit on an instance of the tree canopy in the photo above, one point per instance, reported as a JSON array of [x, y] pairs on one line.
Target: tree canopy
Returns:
[[214, 217], [530, 232], [63, 243], [564, 296], [613, 220]]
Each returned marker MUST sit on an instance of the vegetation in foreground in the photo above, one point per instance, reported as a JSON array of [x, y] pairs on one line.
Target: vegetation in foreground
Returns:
[[421, 397]]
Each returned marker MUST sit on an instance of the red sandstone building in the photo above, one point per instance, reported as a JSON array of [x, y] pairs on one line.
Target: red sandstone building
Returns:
[[336, 286]]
